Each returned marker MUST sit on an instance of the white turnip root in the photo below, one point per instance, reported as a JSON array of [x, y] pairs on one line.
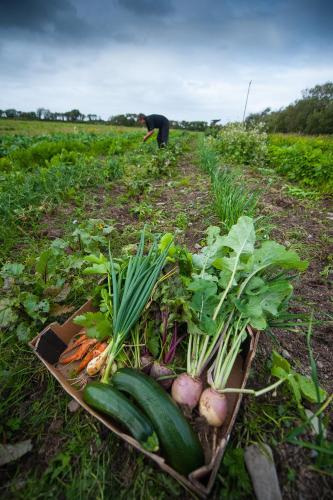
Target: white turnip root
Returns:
[[96, 364], [213, 406], [186, 390], [158, 370]]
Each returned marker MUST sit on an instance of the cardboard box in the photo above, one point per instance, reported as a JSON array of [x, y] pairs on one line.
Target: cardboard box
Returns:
[[50, 343]]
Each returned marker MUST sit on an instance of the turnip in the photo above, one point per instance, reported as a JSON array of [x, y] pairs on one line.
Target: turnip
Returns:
[[213, 403], [186, 390], [213, 406], [159, 370]]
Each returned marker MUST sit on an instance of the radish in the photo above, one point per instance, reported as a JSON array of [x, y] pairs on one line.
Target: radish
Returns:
[[159, 370], [186, 390], [213, 406]]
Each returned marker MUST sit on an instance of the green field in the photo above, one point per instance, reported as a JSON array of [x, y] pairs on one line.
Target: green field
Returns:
[[71, 190]]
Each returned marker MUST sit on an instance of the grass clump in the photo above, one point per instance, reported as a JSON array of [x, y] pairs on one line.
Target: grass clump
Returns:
[[232, 199]]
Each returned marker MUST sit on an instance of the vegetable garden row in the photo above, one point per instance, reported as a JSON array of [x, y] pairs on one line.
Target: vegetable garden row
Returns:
[[164, 322]]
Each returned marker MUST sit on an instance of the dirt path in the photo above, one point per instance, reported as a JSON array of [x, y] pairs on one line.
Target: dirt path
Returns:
[[307, 227]]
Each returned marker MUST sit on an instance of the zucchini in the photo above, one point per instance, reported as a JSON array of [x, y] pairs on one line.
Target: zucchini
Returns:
[[109, 400], [180, 445]]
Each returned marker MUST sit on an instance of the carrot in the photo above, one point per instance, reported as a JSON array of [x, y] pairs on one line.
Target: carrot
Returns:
[[99, 347], [79, 353]]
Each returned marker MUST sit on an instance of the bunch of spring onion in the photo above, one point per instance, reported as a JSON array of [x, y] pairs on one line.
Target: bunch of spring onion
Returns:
[[129, 290]]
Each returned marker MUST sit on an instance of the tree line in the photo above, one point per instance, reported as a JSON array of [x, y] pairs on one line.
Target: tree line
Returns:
[[126, 120], [312, 114]]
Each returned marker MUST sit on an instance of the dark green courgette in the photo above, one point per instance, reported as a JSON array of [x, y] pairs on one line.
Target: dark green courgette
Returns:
[[109, 400], [180, 445]]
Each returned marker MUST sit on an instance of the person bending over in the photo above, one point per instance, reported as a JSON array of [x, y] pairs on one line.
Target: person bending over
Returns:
[[156, 121]]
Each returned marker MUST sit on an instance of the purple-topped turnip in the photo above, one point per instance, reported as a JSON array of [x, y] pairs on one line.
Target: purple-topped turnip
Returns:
[[160, 371]]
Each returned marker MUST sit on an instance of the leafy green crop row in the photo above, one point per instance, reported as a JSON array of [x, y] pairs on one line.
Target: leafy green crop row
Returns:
[[58, 169], [30, 153], [307, 161]]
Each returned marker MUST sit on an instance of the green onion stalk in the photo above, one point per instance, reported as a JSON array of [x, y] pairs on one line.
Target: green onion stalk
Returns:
[[130, 289]]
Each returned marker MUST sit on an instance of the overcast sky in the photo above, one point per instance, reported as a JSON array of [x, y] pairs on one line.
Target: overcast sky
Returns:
[[187, 59]]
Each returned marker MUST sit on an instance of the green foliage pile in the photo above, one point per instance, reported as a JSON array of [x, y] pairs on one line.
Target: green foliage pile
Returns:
[[239, 145], [42, 287]]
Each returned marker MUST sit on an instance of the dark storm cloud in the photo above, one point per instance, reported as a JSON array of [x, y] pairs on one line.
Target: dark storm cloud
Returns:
[[40, 16], [148, 7], [282, 27]]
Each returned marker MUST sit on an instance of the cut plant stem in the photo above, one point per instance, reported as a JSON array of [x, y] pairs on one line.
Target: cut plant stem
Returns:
[[252, 391]]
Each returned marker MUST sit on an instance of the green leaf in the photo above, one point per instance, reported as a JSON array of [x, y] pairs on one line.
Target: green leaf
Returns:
[[279, 372], [94, 259], [211, 252], [58, 245], [23, 332], [228, 263], [258, 323], [295, 388], [207, 325], [165, 241], [153, 340], [204, 300], [241, 237], [8, 315], [279, 361], [46, 263], [272, 253], [255, 286], [202, 285], [308, 389], [213, 235], [100, 264], [33, 306], [194, 329], [13, 270], [96, 324], [267, 301], [97, 269], [225, 277]]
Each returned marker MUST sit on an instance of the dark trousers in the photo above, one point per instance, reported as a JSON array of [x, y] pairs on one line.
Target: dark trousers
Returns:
[[163, 136]]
